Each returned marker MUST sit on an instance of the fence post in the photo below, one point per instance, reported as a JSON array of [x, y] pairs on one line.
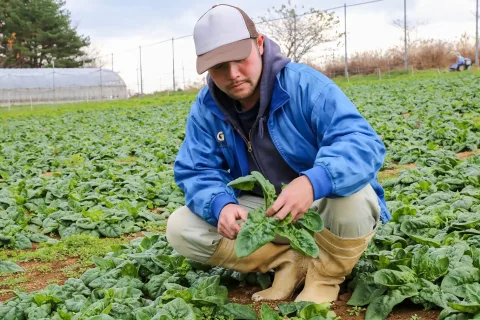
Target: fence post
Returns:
[[346, 52], [379, 74], [101, 84], [31, 104], [173, 62], [9, 102], [405, 35], [54, 98], [141, 74]]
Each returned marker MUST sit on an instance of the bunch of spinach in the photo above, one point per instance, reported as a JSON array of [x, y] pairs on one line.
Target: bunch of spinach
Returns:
[[259, 229], [429, 252]]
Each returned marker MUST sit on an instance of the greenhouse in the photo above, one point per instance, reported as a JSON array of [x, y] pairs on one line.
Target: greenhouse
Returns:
[[32, 86]]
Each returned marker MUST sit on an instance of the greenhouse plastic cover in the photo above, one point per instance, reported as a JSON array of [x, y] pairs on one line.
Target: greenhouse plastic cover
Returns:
[[58, 77]]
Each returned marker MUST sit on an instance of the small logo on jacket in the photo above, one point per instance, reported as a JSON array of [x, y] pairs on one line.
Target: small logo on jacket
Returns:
[[221, 140]]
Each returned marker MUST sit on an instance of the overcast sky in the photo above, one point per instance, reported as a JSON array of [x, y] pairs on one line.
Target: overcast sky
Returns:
[[121, 26]]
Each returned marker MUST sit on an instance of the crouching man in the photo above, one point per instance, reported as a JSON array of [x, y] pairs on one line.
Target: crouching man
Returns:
[[261, 112]]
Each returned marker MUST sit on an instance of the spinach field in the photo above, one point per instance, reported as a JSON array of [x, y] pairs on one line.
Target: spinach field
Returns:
[[91, 189]]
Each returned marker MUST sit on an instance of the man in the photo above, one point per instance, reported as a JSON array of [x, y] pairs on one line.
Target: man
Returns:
[[262, 112]]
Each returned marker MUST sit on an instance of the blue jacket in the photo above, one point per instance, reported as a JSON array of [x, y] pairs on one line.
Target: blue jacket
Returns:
[[315, 127]]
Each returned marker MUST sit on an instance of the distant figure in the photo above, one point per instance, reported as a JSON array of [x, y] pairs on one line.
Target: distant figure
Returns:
[[462, 63]]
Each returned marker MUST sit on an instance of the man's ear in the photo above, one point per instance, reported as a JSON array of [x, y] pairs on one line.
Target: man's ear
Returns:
[[260, 40]]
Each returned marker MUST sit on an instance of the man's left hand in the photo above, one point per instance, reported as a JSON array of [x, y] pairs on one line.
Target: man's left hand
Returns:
[[296, 198]]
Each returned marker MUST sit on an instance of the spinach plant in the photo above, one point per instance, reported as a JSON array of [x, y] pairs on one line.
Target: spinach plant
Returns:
[[259, 229]]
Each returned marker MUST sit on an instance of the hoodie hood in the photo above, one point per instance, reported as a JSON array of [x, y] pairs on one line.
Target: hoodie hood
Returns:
[[273, 62]]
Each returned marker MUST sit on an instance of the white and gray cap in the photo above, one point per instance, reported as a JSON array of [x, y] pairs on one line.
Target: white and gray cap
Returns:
[[223, 34]]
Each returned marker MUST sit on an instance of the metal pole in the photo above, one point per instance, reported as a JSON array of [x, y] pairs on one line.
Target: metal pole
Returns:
[[183, 71], [138, 83], [101, 84], [476, 38], [112, 61], [405, 24], [173, 63], [141, 76], [31, 104], [346, 58], [9, 102], [54, 98]]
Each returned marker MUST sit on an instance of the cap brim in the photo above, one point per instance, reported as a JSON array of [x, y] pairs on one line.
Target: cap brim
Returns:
[[238, 50]]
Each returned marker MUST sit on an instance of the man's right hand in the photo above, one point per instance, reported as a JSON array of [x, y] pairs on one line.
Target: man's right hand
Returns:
[[227, 222]]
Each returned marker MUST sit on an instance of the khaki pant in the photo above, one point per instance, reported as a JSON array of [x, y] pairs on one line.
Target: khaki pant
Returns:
[[347, 217]]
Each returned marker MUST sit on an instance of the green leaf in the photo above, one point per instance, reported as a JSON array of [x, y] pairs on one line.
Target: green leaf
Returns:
[[110, 230], [9, 267], [257, 231], [210, 291], [22, 241], [264, 280], [468, 307], [365, 291], [424, 230], [267, 313], [456, 280], [432, 293], [473, 292], [246, 183], [394, 279], [312, 221], [171, 294], [430, 263], [381, 306], [178, 309], [300, 239], [313, 310], [38, 237], [268, 189], [239, 311], [76, 303], [156, 286]]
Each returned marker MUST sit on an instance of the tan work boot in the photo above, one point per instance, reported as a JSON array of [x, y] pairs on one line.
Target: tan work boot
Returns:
[[290, 266], [336, 260]]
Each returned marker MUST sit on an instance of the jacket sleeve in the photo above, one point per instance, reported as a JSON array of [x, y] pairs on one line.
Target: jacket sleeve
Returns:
[[201, 171], [350, 151]]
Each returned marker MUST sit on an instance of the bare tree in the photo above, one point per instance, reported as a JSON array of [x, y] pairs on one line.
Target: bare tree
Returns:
[[94, 59], [297, 34], [412, 30]]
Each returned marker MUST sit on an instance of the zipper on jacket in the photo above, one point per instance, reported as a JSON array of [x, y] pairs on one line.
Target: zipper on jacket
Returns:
[[253, 151], [250, 145]]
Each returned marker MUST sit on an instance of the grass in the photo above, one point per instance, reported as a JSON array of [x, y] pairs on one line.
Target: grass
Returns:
[[82, 247], [61, 108], [397, 75], [13, 281]]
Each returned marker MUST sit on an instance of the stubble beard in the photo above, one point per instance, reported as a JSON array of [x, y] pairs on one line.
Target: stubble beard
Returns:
[[244, 94]]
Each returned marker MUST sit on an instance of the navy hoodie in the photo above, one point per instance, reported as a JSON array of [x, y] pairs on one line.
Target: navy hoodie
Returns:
[[252, 125]]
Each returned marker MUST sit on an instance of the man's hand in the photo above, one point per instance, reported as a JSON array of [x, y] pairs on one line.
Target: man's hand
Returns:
[[227, 222], [296, 198]]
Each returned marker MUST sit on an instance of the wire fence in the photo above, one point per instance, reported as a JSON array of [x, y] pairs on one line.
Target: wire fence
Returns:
[[145, 72]]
